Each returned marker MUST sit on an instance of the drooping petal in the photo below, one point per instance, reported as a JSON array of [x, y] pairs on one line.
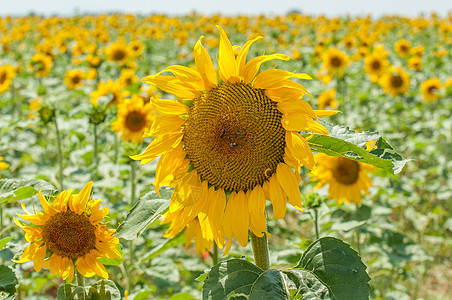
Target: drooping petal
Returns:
[[300, 122], [271, 77], [164, 125], [256, 205], [168, 162], [253, 65], [172, 85], [240, 223], [169, 107], [216, 212], [277, 197], [186, 75], [204, 65], [299, 148], [158, 146], [289, 183], [227, 67]]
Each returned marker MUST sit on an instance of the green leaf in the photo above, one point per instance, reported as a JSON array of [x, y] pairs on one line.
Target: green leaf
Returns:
[[269, 285], [104, 290], [337, 266], [305, 285], [5, 241], [167, 244], [343, 142], [147, 209], [112, 261], [234, 277], [70, 292], [8, 280], [19, 189]]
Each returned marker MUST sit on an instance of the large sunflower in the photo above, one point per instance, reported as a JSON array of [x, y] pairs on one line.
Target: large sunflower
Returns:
[[68, 235], [229, 144], [134, 118], [347, 178]]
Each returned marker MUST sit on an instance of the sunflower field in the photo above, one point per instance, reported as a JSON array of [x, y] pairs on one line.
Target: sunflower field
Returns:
[[216, 157]]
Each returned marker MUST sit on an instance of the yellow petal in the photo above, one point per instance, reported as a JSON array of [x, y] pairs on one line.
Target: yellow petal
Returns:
[[289, 183], [227, 67], [277, 198], [174, 86], [204, 65], [46, 206], [240, 224], [164, 125], [299, 148], [186, 75], [271, 77], [253, 65], [256, 205], [289, 84], [78, 203], [169, 107], [301, 122], [168, 162], [326, 113], [158, 146], [241, 58], [216, 213]]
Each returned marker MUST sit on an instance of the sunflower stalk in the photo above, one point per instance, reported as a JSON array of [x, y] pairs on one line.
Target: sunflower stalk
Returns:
[[260, 251], [316, 222], [131, 243], [215, 254], [60, 154], [81, 281]]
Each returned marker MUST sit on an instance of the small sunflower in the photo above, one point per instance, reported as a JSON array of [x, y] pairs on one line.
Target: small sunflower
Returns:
[[415, 63], [327, 99], [68, 235], [41, 63], [230, 142], [134, 118], [395, 82], [136, 47], [347, 178], [375, 66], [109, 88], [402, 47], [7, 73], [74, 79], [3, 165], [118, 52], [429, 89], [127, 77], [417, 51], [335, 60]]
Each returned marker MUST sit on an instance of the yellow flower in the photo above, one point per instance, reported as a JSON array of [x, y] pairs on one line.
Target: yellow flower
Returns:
[[41, 63], [349, 41], [415, 63], [375, 65], [335, 60], [127, 77], [395, 82], [327, 98], [118, 52], [429, 88], [417, 51], [7, 73], [230, 142], [68, 235], [136, 47], [35, 105], [93, 60], [347, 178], [74, 79], [106, 88], [134, 118], [402, 48], [3, 165]]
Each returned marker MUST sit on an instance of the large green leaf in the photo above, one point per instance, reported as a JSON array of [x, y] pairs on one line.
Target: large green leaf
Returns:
[[337, 266], [347, 143], [305, 285], [8, 280], [270, 285], [19, 189], [147, 209], [230, 279], [104, 290], [70, 292]]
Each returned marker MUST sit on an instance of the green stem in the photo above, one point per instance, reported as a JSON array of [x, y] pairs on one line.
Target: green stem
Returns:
[[131, 243], [260, 251], [358, 233], [60, 155], [316, 221], [215, 254], [81, 282]]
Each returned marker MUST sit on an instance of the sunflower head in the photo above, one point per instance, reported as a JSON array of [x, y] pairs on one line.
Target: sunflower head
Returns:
[[327, 99], [7, 73], [402, 47], [375, 66], [395, 82], [229, 142], [118, 52], [334, 60], [68, 235], [74, 79], [41, 63], [429, 89]]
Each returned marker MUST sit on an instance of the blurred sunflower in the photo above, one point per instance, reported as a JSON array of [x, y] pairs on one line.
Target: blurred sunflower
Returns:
[[402, 47], [127, 77], [7, 73], [395, 82], [417, 51], [375, 66], [35, 105], [327, 99], [228, 145], [74, 79], [118, 52], [68, 235], [106, 88], [41, 63], [3, 165], [335, 60], [429, 89], [415, 63], [136, 47], [347, 178], [134, 118]]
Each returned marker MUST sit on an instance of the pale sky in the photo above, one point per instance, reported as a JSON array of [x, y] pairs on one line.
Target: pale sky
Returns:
[[229, 7]]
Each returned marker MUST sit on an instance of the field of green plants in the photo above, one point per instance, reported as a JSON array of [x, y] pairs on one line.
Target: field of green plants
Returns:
[[73, 110]]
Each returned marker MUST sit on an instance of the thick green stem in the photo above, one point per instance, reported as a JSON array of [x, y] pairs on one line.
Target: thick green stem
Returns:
[[131, 243], [316, 225], [81, 282], [215, 254], [60, 155], [260, 251]]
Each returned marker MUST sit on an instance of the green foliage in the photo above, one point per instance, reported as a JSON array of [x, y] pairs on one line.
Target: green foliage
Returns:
[[147, 209], [101, 290], [8, 280], [12, 190], [5, 241]]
